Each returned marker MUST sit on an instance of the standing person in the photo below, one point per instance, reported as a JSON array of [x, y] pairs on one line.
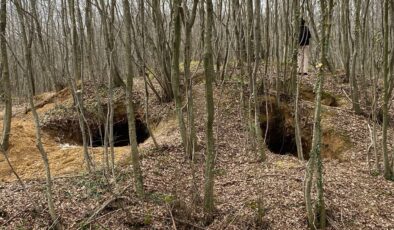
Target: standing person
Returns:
[[303, 50]]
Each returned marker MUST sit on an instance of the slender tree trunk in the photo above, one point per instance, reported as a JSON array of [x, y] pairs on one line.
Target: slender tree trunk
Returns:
[[75, 42], [163, 52], [90, 54], [80, 110], [257, 101], [191, 129], [286, 11], [295, 45], [110, 120], [386, 97], [236, 9], [346, 46], [176, 44], [353, 76], [375, 119], [315, 154], [107, 20], [300, 152], [209, 77], [143, 68], [6, 89], [73, 84], [139, 185], [27, 46], [249, 47], [44, 57], [294, 78], [5, 77], [192, 139], [277, 55]]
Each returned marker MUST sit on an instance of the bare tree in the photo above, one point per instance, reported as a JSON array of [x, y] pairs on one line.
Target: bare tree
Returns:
[[296, 25], [45, 61], [176, 45], [209, 77], [73, 84], [355, 45], [257, 101], [139, 185], [189, 19], [5, 78], [28, 66], [386, 90], [315, 161], [163, 51], [107, 15]]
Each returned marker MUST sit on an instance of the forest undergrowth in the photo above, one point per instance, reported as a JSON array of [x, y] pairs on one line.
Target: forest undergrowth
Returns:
[[355, 198]]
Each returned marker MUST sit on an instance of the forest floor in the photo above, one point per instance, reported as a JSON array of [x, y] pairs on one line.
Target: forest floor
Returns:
[[355, 199]]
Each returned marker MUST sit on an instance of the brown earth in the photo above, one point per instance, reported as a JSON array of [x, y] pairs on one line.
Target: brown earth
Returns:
[[65, 157], [26, 159], [355, 199]]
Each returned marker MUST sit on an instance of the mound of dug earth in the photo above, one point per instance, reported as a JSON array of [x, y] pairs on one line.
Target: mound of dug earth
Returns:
[[306, 93], [62, 121]]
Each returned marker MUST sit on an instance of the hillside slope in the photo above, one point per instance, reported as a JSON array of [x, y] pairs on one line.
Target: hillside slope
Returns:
[[355, 199]]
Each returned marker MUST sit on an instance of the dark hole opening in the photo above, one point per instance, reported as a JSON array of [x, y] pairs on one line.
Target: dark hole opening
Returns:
[[282, 144], [281, 131], [280, 140], [121, 134]]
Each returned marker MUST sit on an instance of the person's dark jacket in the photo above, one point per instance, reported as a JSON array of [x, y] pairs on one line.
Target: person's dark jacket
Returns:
[[305, 35]]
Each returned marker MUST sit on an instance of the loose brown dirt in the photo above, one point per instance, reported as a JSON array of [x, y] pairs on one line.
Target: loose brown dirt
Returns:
[[65, 157]]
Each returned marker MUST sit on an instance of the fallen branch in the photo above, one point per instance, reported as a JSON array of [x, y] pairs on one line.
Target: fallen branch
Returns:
[[172, 217], [40, 104]]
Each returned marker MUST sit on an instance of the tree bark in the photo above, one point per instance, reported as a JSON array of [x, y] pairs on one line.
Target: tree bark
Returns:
[[386, 97], [28, 64], [209, 77], [138, 183], [355, 44], [296, 79], [5, 78], [315, 153], [257, 101], [176, 44]]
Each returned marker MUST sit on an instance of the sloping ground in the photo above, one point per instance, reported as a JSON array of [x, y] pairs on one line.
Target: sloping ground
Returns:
[[354, 198], [65, 158], [24, 156]]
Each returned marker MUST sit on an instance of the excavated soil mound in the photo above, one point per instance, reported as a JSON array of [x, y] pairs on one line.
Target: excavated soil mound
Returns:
[[62, 136], [306, 93]]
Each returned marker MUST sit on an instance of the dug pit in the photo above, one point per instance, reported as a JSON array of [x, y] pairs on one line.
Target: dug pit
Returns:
[[66, 129], [121, 134], [62, 121], [278, 125]]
